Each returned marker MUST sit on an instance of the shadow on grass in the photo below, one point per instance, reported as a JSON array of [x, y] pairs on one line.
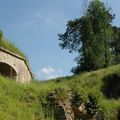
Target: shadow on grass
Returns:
[[118, 115], [111, 86]]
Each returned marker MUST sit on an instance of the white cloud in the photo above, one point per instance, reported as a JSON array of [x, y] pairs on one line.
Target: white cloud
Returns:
[[48, 73], [48, 70]]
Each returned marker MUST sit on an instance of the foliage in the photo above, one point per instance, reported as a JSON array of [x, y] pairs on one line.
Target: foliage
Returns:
[[118, 114], [92, 105], [111, 86], [77, 99], [90, 37], [115, 44], [59, 92], [48, 109], [10, 46], [30, 101]]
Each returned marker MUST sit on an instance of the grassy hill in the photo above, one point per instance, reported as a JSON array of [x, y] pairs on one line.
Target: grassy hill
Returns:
[[29, 102]]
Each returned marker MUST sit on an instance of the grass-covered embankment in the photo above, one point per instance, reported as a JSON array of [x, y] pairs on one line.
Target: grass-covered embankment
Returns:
[[29, 102]]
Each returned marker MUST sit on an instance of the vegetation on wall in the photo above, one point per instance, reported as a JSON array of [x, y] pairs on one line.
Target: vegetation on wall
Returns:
[[6, 44]]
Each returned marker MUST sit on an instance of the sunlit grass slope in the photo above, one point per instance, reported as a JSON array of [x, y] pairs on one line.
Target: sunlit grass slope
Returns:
[[29, 101]]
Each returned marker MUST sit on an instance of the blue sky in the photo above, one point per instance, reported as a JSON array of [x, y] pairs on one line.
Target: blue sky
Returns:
[[33, 26]]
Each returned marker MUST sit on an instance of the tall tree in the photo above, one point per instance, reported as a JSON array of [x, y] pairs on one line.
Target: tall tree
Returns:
[[1, 36], [115, 44], [90, 35]]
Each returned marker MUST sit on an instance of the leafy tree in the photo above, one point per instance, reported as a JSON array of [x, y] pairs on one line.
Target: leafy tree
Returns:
[[90, 37], [1, 36], [92, 105], [115, 44]]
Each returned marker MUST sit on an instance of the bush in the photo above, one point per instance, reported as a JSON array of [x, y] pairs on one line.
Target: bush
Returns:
[[111, 86], [77, 99], [92, 105]]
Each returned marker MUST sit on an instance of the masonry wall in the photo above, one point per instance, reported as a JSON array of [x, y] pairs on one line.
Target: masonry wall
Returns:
[[18, 64]]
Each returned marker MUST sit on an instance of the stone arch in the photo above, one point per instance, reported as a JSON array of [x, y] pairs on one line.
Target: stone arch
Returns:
[[7, 70], [21, 71]]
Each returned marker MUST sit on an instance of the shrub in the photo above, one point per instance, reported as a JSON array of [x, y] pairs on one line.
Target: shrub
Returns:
[[111, 86], [77, 99], [92, 105]]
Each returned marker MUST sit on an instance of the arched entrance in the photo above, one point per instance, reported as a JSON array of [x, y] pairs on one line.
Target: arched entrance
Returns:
[[7, 70]]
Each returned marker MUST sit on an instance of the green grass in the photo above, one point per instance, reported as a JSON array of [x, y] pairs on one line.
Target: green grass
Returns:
[[11, 47], [25, 102]]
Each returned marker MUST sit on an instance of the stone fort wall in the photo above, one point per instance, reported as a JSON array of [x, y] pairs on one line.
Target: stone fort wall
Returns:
[[23, 73]]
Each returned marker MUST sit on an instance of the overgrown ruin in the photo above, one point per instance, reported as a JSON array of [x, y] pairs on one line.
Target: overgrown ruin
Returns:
[[14, 66]]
